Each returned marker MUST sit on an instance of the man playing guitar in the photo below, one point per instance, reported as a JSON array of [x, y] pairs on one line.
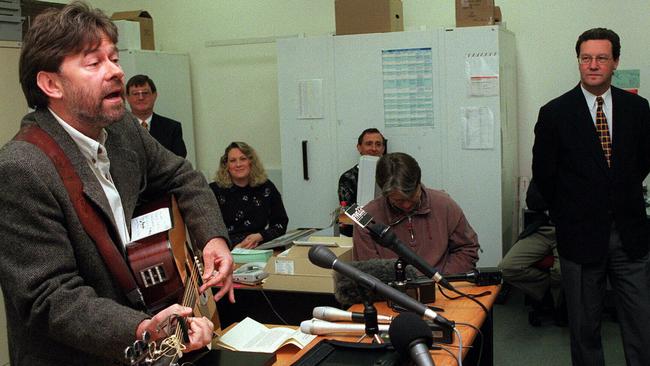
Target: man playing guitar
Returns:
[[64, 305]]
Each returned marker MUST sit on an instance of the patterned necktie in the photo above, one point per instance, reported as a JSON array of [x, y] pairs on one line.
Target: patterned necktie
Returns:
[[603, 131], [145, 125]]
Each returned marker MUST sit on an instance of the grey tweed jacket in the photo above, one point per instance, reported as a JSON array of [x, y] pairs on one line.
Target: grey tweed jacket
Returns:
[[62, 305]]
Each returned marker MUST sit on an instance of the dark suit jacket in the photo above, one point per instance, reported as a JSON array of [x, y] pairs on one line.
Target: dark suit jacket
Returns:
[[585, 195], [62, 305], [169, 133]]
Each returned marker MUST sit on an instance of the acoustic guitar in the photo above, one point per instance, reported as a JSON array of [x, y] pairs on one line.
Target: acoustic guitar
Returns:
[[168, 271]]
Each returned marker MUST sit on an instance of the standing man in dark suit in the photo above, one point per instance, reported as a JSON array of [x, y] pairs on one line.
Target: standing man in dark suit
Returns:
[[63, 304], [591, 154], [142, 94]]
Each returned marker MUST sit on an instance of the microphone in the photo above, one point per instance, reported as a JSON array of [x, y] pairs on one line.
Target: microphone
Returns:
[[485, 276], [410, 335], [386, 238], [321, 327], [323, 257], [333, 314], [348, 292]]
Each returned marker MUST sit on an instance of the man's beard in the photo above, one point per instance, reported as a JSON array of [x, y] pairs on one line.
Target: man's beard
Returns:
[[87, 107]]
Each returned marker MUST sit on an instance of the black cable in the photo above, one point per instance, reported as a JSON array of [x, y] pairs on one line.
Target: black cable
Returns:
[[469, 296], [272, 308]]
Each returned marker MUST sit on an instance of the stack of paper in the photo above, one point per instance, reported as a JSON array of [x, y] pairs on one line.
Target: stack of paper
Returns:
[[251, 336], [328, 241], [287, 239], [240, 255]]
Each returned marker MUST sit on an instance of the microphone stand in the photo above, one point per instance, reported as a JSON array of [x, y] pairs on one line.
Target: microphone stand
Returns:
[[400, 275], [400, 270], [369, 316], [372, 325]]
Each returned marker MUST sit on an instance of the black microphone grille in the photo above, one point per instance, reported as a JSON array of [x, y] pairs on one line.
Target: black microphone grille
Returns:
[[321, 256], [406, 328]]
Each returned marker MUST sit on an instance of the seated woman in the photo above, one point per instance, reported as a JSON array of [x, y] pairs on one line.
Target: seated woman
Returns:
[[250, 204]]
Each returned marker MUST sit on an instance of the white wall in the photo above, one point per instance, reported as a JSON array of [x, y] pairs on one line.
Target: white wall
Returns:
[[235, 87]]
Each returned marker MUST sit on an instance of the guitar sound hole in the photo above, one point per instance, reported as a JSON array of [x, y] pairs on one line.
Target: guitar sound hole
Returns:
[[153, 275]]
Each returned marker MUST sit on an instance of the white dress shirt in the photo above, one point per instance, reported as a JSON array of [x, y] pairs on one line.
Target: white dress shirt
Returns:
[[607, 107], [147, 121], [97, 159]]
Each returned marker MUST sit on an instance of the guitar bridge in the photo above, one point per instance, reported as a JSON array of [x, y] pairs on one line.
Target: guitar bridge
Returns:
[[153, 275]]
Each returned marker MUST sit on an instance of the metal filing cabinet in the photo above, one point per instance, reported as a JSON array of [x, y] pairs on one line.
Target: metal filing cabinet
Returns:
[[11, 22]]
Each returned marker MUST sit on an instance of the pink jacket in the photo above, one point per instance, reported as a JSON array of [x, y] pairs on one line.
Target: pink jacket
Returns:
[[437, 231]]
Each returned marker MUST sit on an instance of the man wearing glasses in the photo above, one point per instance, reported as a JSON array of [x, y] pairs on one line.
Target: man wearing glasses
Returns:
[[141, 95], [426, 220], [591, 154]]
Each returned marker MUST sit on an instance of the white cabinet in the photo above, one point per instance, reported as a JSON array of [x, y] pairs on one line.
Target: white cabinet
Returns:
[[446, 97]]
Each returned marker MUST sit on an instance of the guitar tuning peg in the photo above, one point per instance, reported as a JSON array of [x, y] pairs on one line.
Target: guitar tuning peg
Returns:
[[140, 346], [129, 354]]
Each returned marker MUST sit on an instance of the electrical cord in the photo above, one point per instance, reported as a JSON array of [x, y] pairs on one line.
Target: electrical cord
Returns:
[[469, 296], [460, 347], [268, 301], [478, 331], [448, 351]]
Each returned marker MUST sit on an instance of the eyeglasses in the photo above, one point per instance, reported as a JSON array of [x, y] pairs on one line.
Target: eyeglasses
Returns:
[[142, 94], [585, 59]]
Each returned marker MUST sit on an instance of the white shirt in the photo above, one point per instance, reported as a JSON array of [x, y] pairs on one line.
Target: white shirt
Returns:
[[607, 107], [147, 120], [97, 159]]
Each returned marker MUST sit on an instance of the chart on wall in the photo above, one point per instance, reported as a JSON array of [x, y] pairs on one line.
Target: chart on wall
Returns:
[[408, 87]]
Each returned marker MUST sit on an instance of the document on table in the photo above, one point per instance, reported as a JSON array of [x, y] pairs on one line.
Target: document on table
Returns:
[[251, 336]]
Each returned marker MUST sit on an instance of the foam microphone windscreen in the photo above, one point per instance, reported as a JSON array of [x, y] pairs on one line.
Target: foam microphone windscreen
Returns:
[[348, 292], [406, 328]]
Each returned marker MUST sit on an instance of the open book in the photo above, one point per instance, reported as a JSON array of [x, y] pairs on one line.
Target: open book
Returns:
[[251, 336]]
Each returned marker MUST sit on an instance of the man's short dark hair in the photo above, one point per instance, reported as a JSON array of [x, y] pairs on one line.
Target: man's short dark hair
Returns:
[[55, 34], [140, 80], [398, 172], [604, 34], [368, 131]]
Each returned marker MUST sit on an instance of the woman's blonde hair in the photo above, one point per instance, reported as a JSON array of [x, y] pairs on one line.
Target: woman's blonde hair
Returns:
[[257, 175]]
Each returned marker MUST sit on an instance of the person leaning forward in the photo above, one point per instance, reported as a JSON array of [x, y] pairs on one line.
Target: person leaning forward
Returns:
[[428, 221], [590, 156], [63, 307]]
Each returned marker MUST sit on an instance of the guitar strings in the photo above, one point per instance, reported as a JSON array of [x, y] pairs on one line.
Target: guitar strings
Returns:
[[172, 345]]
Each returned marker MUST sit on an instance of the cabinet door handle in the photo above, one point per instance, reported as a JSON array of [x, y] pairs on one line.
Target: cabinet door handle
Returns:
[[305, 164]]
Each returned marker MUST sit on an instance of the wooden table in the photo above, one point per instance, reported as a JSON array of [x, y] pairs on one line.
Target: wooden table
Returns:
[[460, 310], [265, 305]]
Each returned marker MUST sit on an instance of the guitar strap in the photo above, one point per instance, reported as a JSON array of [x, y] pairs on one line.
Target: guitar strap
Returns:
[[88, 215]]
